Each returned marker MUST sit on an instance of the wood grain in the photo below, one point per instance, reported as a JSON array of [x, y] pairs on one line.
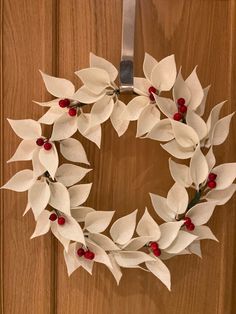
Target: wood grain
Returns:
[[57, 37]]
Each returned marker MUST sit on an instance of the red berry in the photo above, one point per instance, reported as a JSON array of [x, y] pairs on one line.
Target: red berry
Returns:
[[211, 184], [47, 146], [80, 252], [190, 227], [157, 252], [89, 255], [61, 220], [64, 103], [212, 176], [40, 141], [151, 90], [183, 108], [177, 116], [188, 221], [181, 101], [72, 112], [53, 217], [154, 246]]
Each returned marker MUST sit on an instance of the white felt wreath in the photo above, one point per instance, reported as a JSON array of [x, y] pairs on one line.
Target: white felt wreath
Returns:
[[56, 198]]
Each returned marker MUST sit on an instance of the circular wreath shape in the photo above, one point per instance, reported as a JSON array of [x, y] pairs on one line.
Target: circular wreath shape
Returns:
[[56, 199]]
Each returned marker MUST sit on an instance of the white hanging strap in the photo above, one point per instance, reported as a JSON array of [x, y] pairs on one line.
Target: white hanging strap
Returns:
[[127, 48]]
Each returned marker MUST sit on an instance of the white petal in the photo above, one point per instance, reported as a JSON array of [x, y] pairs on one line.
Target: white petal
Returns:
[[221, 197], [130, 258], [160, 205], [21, 181], [197, 123], [122, 229], [24, 151], [177, 199], [221, 130], [204, 232], [198, 167], [69, 174], [58, 87], [210, 158], [149, 116], [177, 151], [59, 197], [136, 244], [115, 270], [164, 74], [159, 269], [184, 134], [53, 113], [96, 80], [149, 64], [27, 129], [71, 259], [195, 248], [101, 110], [119, 118], [80, 212], [226, 174], [195, 89], [162, 131], [148, 227], [94, 133], [85, 96], [181, 90], [141, 86], [98, 221], [65, 242], [49, 159], [38, 197], [183, 240], [101, 63], [73, 150], [42, 224], [166, 105], [169, 232], [201, 108], [38, 168], [100, 254], [103, 241], [79, 193], [201, 213], [64, 127], [136, 106], [214, 115], [71, 230], [180, 173]]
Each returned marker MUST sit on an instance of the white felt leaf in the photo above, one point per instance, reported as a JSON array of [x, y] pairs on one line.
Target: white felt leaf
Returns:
[[149, 64], [198, 167], [92, 133], [79, 193], [21, 181], [181, 90], [85, 96], [195, 248], [136, 106], [184, 134], [201, 213], [73, 150], [159, 269], [101, 110], [178, 151], [65, 242], [221, 130], [38, 168], [101, 63], [201, 108], [24, 151], [42, 224], [221, 196], [148, 227], [100, 254], [71, 260], [26, 129], [141, 86], [98, 221], [214, 116], [204, 232], [53, 113], [197, 123], [196, 90], [226, 174], [103, 241], [49, 159], [183, 240], [69, 174], [137, 243], [180, 173], [177, 199], [163, 74], [119, 118], [80, 212], [210, 158], [115, 270], [162, 131], [64, 127], [122, 229], [71, 230], [94, 79], [59, 197], [38, 197], [149, 116], [58, 87], [169, 231], [160, 205], [130, 258], [27, 208], [166, 105]]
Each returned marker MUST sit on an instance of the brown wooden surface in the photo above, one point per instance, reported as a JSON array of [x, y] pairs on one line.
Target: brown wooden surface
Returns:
[[57, 36]]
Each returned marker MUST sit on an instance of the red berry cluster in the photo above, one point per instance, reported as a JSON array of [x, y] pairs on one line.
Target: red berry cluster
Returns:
[[155, 248], [60, 220], [182, 109], [44, 142], [188, 224], [151, 90], [85, 253], [65, 103], [211, 183]]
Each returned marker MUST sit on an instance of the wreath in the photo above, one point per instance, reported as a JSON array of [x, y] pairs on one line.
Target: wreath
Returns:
[[56, 199]]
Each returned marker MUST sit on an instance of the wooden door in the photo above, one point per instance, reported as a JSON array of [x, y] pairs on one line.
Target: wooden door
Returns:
[[57, 36]]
